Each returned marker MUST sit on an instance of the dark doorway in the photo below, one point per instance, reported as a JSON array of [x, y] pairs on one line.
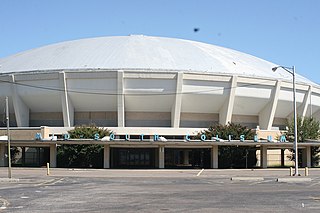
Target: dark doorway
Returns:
[[30, 156], [187, 158], [133, 158]]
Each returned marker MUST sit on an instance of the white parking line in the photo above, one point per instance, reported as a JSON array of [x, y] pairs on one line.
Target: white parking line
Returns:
[[199, 173], [259, 182]]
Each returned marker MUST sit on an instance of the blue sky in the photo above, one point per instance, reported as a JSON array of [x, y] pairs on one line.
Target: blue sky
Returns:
[[286, 32]]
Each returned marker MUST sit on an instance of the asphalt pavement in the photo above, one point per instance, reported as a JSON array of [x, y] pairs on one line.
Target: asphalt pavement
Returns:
[[104, 190]]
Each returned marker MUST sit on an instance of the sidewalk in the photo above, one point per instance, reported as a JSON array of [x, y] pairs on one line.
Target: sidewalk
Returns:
[[39, 173]]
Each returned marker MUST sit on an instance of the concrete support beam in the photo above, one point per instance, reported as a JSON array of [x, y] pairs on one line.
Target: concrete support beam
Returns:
[[215, 157], [106, 157], [176, 108], [225, 113], [120, 92], [302, 110], [266, 115], [2, 155], [161, 157], [53, 155], [67, 106], [306, 157], [263, 157], [21, 110], [185, 157]]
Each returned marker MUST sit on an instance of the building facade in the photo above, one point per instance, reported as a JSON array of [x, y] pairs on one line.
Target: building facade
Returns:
[[141, 85]]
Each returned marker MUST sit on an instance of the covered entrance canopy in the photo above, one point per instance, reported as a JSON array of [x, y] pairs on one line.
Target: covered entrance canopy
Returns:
[[175, 151]]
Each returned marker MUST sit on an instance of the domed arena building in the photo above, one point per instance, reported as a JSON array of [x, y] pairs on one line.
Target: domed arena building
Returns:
[[153, 93]]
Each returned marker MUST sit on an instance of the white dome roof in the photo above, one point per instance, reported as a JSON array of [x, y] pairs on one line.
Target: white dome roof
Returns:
[[141, 52]]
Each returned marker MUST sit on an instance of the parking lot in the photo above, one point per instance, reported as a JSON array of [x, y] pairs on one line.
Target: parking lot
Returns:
[[90, 190]]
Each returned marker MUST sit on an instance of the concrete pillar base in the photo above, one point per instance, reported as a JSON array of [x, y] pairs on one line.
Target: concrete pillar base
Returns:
[[53, 155], [214, 157], [185, 157], [263, 157], [161, 157], [106, 157], [306, 157]]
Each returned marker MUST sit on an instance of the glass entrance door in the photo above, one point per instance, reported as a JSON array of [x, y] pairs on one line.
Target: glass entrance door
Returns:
[[133, 158], [187, 158]]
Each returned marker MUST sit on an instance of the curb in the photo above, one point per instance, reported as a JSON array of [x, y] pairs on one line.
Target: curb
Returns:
[[13, 180], [247, 179], [293, 180]]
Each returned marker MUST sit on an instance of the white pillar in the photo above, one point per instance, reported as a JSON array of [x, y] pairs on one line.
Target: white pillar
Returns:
[[106, 157], [2, 155], [266, 115], [263, 157], [225, 113], [53, 155], [120, 99], [161, 157], [306, 157], [186, 157], [21, 110], [302, 111], [67, 106], [215, 157], [176, 108]]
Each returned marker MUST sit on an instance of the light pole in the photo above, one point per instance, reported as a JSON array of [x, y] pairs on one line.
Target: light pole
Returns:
[[8, 133], [291, 70]]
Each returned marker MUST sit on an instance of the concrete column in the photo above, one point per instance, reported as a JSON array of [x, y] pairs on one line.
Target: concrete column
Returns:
[[185, 157], [67, 106], [266, 115], [306, 157], [161, 157], [21, 110], [53, 155], [2, 155], [302, 110], [106, 157], [225, 113], [263, 157], [120, 99], [176, 108], [214, 157]]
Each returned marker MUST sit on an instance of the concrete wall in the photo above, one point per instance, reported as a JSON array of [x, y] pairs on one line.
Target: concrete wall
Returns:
[[250, 121], [21, 134], [12, 120], [280, 122], [198, 120], [46, 119], [99, 118], [148, 119], [274, 158]]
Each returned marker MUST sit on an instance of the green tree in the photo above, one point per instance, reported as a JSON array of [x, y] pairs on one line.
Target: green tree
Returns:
[[307, 129], [82, 155], [233, 156]]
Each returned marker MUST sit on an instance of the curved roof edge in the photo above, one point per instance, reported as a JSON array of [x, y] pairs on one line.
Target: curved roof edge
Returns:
[[142, 53]]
